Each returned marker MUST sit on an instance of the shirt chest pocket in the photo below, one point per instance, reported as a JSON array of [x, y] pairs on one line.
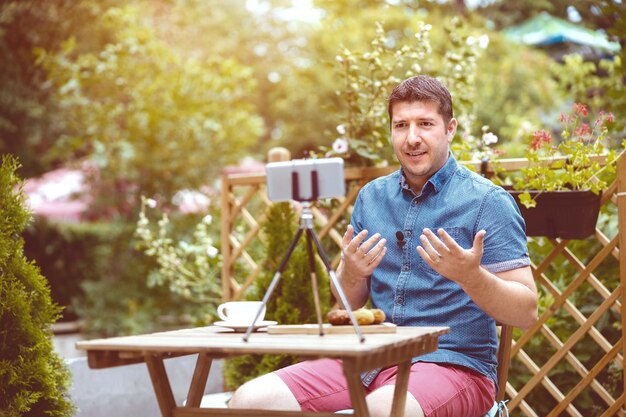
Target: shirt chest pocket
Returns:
[[461, 236]]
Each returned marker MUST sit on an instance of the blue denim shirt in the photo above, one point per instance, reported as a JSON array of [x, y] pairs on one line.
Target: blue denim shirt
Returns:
[[413, 294]]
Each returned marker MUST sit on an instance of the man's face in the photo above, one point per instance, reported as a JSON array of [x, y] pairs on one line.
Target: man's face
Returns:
[[421, 140]]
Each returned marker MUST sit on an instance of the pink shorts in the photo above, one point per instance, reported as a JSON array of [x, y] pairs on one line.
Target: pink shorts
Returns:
[[441, 390]]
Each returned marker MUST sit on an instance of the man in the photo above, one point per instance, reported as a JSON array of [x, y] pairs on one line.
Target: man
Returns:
[[448, 248]]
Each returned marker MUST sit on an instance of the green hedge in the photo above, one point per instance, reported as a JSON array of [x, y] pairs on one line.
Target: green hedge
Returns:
[[33, 379]]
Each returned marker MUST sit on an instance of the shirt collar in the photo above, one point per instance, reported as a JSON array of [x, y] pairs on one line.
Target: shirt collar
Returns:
[[439, 179]]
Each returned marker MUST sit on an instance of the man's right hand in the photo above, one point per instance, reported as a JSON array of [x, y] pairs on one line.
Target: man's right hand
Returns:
[[360, 257]]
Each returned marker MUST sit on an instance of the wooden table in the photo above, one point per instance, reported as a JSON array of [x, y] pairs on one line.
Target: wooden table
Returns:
[[378, 350]]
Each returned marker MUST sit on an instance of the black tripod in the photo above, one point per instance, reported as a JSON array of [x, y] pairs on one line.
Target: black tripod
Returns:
[[306, 225]]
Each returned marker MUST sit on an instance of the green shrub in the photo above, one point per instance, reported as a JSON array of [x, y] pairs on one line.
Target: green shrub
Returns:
[[98, 276], [69, 254], [116, 298], [33, 379], [292, 300], [189, 264]]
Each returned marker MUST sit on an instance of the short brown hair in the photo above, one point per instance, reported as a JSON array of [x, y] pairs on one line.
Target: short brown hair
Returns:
[[422, 88]]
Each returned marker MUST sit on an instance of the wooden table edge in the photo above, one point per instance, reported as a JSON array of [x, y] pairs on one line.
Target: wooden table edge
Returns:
[[105, 353]]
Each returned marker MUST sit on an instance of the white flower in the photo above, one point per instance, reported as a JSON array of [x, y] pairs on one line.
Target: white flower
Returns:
[[489, 138], [207, 219], [273, 77], [470, 40], [211, 251], [151, 202], [340, 145], [483, 41], [341, 129]]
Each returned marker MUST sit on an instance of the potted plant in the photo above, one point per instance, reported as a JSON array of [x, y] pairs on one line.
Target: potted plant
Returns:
[[559, 191]]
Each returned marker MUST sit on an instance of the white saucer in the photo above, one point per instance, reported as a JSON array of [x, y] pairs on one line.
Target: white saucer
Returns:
[[242, 327]]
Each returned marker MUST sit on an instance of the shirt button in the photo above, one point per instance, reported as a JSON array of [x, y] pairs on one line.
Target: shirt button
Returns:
[[415, 202], [409, 233], [399, 300], [405, 267]]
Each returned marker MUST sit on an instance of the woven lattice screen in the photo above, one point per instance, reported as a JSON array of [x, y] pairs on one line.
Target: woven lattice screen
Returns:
[[570, 363]]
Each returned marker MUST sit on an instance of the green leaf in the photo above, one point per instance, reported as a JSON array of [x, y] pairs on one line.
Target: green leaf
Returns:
[[527, 200]]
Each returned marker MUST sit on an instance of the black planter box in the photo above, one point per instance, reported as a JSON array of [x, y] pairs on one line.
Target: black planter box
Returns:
[[564, 214]]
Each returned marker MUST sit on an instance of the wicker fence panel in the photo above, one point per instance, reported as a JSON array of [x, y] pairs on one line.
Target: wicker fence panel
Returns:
[[569, 363]]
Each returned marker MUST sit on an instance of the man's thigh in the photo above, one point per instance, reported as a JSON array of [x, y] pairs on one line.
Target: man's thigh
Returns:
[[318, 385], [379, 403], [444, 391], [267, 392]]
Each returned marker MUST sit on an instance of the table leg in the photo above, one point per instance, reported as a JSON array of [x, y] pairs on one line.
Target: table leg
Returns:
[[161, 383], [198, 381], [402, 385], [355, 387]]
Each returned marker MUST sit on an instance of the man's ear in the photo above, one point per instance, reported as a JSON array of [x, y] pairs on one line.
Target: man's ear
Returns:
[[451, 129]]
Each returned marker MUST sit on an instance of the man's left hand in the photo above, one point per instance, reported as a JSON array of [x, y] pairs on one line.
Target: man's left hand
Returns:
[[449, 259]]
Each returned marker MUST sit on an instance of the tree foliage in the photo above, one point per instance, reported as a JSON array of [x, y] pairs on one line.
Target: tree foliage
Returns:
[[29, 124], [151, 120], [602, 84], [505, 13]]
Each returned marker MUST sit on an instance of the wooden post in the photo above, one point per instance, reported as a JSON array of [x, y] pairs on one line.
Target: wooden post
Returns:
[[226, 225], [621, 227], [278, 154]]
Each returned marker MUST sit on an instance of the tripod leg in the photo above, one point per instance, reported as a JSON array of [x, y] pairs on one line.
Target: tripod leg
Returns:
[[274, 282], [335, 282], [316, 296]]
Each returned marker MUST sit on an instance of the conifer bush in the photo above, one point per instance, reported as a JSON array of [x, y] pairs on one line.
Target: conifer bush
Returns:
[[33, 379], [292, 300]]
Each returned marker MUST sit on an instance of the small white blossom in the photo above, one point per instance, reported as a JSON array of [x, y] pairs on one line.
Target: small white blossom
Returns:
[[274, 77], [483, 41], [489, 138], [151, 203], [340, 145], [207, 219], [211, 251], [470, 40], [341, 129]]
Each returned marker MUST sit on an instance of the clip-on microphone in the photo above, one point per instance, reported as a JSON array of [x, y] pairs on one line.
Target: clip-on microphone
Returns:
[[400, 238]]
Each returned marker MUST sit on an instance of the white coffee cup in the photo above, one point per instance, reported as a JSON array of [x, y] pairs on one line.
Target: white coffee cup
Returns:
[[242, 312]]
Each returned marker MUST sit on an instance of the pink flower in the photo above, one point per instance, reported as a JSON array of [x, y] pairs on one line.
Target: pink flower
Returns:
[[610, 118], [539, 138], [581, 109], [583, 130]]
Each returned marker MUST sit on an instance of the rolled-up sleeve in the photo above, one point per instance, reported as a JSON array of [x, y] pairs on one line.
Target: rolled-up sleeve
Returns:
[[505, 245]]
